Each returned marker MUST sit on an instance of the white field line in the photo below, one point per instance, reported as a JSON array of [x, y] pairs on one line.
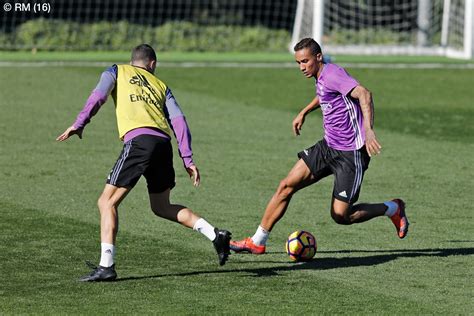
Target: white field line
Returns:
[[236, 65]]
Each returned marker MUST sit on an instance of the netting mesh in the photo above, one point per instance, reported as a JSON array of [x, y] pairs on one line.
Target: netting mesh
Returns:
[[415, 27], [374, 22], [173, 24], [365, 26], [456, 25]]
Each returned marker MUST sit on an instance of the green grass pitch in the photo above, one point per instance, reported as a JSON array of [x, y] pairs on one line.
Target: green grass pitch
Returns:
[[241, 124]]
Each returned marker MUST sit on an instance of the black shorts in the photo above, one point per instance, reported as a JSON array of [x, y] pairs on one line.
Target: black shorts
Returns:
[[148, 155], [348, 168]]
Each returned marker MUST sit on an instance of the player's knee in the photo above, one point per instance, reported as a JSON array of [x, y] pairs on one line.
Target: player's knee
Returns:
[[285, 190], [104, 203], [159, 208], [101, 203], [340, 218], [155, 210], [185, 216]]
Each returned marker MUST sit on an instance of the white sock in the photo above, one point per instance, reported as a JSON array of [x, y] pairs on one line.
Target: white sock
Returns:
[[205, 228], [261, 236], [107, 255], [392, 208]]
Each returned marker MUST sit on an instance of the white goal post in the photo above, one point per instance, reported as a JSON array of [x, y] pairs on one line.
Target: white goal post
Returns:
[[381, 27]]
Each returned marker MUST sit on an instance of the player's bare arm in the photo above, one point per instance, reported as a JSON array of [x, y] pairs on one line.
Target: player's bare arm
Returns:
[[299, 119], [71, 130], [367, 106]]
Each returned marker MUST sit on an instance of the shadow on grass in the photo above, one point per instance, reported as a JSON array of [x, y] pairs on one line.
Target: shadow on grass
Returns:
[[325, 263]]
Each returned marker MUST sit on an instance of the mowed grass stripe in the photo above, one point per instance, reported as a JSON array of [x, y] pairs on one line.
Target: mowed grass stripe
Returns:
[[216, 57]]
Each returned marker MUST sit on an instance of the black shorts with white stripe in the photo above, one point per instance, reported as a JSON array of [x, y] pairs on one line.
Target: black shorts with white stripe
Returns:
[[348, 168], [147, 155]]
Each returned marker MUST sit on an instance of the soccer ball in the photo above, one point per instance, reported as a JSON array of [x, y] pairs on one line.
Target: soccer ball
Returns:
[[301, 246]]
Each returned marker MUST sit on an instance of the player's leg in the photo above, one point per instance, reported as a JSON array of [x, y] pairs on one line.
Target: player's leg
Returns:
[[310, 168], [349, 169], [299, 177], [345, 214], [162, 207], [160, 178], [108, 204], [122, 178]]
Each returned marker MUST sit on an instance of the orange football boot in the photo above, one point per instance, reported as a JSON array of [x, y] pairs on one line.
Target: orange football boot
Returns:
[[247, 245], [399, 219]]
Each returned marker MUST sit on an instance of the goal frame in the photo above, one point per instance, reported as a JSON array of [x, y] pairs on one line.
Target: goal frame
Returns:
[[316, 14]]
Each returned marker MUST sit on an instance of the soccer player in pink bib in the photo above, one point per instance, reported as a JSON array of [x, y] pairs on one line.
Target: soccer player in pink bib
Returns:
[[349, 142]]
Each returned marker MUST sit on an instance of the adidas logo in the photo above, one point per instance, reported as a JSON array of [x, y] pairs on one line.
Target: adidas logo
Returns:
[[343, 194], [108, 251], [140, 81], [306, 152]]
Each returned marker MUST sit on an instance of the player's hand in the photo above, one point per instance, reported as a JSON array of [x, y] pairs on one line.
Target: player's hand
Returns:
[[71, 130], [194, 175], [298, 123], [371, 144]]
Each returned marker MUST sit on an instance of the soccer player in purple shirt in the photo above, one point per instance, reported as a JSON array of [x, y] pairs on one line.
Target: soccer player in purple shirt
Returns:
[[147, 113], [349, 142]]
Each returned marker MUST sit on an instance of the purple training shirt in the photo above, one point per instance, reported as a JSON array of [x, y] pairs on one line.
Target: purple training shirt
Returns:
[[175, 116], [342, 115]]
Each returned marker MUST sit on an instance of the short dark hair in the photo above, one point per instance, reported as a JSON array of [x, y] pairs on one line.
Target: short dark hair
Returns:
[[143, 52], [308, 43]]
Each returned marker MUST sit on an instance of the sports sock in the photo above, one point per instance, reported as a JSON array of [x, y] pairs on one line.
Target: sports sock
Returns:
[[392, 208], [260, 237], [205, 228], [107, 255]]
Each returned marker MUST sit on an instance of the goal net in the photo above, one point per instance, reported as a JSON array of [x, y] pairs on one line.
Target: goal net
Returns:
[[381, 27], [168, 25]]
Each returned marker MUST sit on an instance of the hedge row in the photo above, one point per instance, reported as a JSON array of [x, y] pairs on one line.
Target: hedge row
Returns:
[[59, 35]]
